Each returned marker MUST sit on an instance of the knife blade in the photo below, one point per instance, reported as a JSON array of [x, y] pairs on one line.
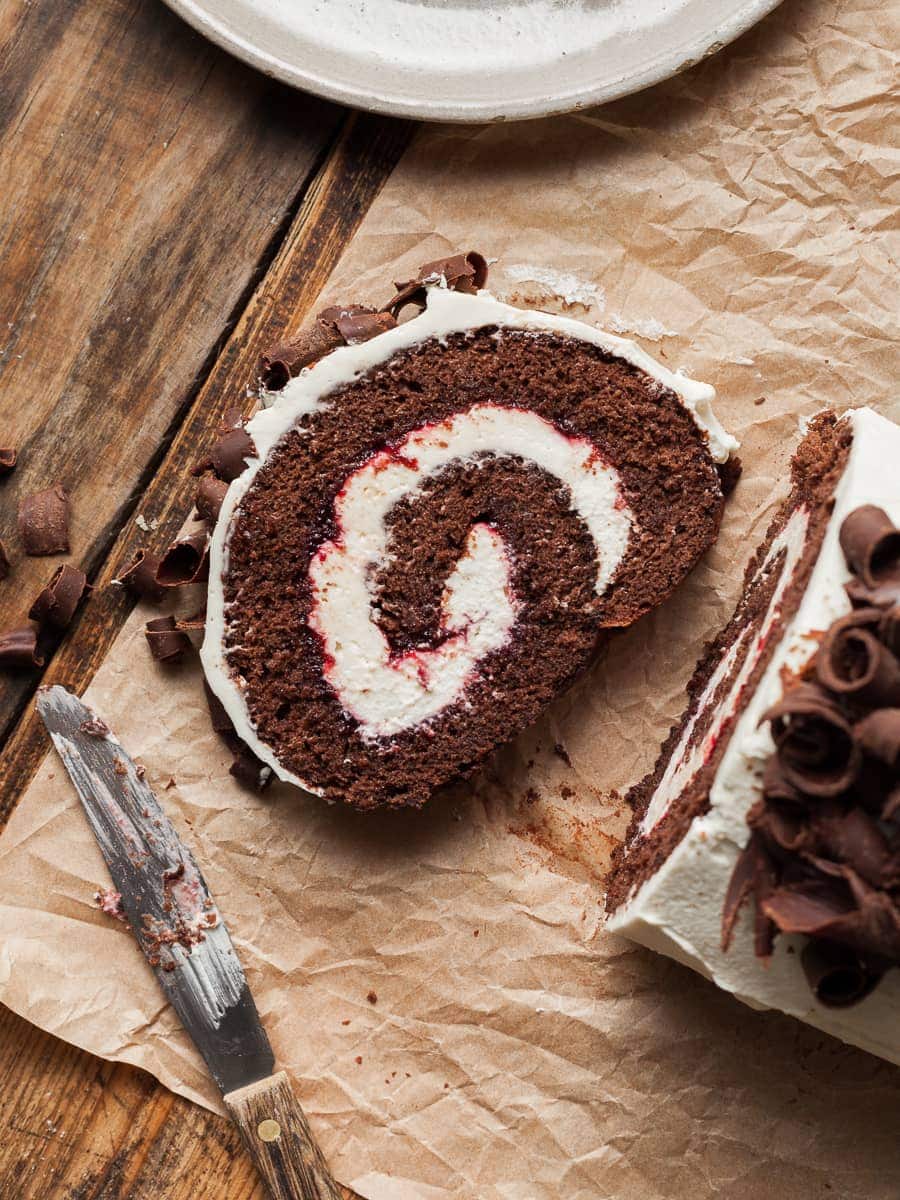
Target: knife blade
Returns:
[[184, 939], [164, 895]]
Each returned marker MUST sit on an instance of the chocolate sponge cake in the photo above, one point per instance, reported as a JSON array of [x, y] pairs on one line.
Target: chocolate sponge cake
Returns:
[[439, 526], [765, 845]]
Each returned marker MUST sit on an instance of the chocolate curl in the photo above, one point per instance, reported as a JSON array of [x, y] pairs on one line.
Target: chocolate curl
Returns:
[[356, 323], [816, 747], [8, 458], [208, 498], [4, 561], [167, 643], [140, 577], [778, 828], [44, 522], [891, 807], [227, 459], [838, 906], [753, 875], [855, 838], [837, 977], [879, 735], [460, 272], [339, 325], [56, 604], [186, 561], [886, 595], [18, 648], [871, 544], [889, 629], [776, 787], [852, 662], [287, 359]]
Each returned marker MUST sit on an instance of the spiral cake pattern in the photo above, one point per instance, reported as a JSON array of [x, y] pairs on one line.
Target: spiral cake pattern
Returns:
[[438, 528]]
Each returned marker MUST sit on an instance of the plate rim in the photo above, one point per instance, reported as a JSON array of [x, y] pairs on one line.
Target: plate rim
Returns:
[[747, 13]]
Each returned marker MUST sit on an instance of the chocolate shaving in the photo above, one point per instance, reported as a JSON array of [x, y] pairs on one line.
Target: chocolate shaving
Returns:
[[208, 498], [250, 771], [18, 648], [56, 604], [837, 976], [729, 473], [871, 544], [44, 522], [355, 323], [816, 747], [879, 736], [852, 662], [167, 643], [221, 722], [186, 561], [140, 577], [460, 272], [8, 458], [4, 561], [339, 325]]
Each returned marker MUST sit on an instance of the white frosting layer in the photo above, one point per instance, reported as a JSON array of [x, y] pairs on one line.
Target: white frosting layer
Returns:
[[447, 312], [386, 692], [678, 910]]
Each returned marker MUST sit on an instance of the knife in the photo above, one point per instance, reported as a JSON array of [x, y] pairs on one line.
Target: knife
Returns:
[[184, 939]]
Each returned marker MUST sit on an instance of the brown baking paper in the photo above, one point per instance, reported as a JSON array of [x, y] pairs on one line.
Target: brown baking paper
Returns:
[[439, 985]]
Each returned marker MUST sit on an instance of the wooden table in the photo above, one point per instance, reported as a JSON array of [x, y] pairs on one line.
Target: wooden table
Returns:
[[164, 214]]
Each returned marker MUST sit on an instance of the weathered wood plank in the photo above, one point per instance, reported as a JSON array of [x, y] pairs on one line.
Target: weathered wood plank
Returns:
[[76, 1128], [145, 180], [330, 213], [123, 1135]]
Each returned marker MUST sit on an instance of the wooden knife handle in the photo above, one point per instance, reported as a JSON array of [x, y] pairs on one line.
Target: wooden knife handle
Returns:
[[280, 1141]]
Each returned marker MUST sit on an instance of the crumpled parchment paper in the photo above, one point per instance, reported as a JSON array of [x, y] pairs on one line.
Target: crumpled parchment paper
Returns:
[[439, 984]]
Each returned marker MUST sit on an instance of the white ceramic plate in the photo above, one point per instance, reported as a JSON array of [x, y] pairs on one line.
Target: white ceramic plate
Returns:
[[471, 60]]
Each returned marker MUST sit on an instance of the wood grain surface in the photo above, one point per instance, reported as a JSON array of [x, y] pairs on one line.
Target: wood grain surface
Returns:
[[277, 1136], [165, 213]]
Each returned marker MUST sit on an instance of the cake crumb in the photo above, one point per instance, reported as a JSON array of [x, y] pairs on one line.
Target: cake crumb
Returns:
[[358, 1060], [372, 998], [108, 900]]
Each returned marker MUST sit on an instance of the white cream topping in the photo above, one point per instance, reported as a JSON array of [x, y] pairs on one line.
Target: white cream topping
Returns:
[[687, 759], [447, 312], [678, 910], [386, 692]]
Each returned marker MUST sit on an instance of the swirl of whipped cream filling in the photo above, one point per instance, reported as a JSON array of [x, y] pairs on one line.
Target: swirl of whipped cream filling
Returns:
[[387, 692]]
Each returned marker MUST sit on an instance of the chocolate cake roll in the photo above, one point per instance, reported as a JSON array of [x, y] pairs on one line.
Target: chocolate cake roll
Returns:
[[764, 849], [438, 527]]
